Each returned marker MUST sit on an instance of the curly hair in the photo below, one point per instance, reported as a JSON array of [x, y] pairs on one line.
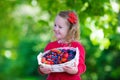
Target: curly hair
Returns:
[[73, 33]]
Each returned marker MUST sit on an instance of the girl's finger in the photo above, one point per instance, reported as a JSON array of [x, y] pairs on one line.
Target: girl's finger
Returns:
[[66, 66]]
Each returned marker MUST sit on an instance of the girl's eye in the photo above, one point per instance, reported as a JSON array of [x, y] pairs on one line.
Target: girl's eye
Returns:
[[60, 27], [54, 24]]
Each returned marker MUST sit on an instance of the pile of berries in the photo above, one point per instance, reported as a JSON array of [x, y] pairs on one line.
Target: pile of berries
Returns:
[[58, 56]]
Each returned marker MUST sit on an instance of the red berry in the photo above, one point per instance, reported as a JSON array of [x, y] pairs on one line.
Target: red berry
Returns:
[[59, 52], [63, 59], [47, 62], [51, 62], [56, 51], [43, 59], [65, 55]]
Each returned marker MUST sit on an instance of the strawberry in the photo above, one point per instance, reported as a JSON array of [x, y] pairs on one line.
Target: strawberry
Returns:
[[51, 63], [63, 60], [43, 60], [47, 62], [56, 51], [65, 55]]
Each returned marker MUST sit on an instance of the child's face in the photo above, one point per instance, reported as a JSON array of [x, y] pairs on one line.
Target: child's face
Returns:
[[60, 28]]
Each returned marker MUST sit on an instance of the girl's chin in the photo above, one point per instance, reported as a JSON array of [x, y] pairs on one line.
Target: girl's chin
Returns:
[[58, 38]]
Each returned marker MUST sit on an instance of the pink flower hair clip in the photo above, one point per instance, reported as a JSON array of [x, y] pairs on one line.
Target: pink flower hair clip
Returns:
[[72, 18]]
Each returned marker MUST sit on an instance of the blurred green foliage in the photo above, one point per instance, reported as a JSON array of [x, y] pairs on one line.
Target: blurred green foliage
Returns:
[[26, 28]]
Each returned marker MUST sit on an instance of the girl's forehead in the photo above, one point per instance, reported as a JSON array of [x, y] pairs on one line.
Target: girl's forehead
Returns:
[[60, 20]]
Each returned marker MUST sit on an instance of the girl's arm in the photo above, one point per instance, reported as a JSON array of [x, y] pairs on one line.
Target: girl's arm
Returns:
[[81, 65]]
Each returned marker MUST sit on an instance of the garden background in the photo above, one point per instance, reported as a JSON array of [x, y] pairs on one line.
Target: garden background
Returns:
[[26, 28]]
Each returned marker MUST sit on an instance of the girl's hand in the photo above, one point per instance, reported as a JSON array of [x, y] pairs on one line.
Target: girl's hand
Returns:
[[71, 70], [45, 70]]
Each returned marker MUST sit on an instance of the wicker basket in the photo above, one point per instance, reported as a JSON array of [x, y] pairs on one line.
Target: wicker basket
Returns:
[[59, 67]]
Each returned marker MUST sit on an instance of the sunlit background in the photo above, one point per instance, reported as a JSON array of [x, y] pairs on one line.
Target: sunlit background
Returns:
[[26, 28]]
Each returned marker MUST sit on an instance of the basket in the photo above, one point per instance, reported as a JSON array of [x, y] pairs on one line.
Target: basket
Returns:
[[59, 67]]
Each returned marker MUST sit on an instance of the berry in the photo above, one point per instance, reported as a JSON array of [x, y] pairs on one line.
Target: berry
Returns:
[[58, 56], [65, 55], [63, 60], [43, 59]]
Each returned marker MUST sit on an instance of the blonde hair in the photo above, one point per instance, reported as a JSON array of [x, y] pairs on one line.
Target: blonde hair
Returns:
[[73, 33]]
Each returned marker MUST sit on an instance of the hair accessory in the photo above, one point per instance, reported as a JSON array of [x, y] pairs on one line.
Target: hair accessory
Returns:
[[72, 18]]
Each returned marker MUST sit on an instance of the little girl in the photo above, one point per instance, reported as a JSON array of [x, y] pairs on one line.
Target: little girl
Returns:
[[66, 31]]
